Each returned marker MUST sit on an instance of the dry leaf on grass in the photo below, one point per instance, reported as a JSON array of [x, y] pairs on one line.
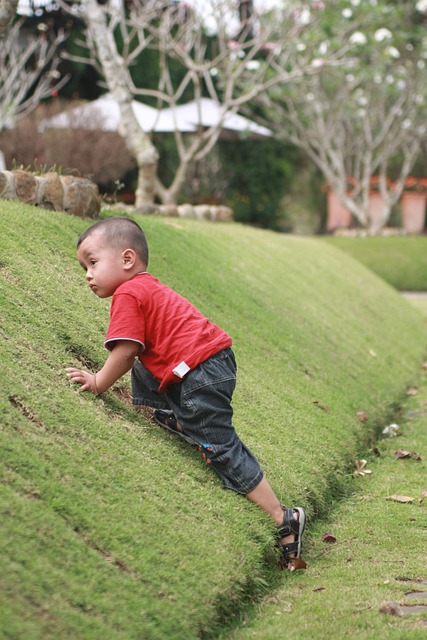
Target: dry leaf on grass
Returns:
[[362, 416], [397, 498], [297, 563], [293, 564], [412, 392], [329, 537], [391, 430], [361, 469], [406, 454], [421, 498], [321, 405]]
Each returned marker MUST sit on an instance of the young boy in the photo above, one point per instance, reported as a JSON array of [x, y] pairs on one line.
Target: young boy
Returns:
[[182, 366]]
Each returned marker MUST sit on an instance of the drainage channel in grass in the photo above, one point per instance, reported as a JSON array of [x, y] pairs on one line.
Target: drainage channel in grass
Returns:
[[371, 582]]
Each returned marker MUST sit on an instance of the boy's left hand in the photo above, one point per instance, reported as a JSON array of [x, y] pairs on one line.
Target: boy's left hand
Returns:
[[87, 380]]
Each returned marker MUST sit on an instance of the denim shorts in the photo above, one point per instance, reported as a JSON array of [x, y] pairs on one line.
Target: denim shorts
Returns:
[[202, 405]]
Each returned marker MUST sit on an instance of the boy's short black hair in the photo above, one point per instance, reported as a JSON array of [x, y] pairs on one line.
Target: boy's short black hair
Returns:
[[121, 233]]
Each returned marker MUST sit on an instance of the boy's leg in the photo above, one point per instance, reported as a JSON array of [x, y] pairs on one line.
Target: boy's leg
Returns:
[[264, 496], [202, 406], [145, 389]]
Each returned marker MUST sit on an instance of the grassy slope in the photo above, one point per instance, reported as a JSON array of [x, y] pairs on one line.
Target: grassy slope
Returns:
[[380, 554], [111, 528], [401, 261]]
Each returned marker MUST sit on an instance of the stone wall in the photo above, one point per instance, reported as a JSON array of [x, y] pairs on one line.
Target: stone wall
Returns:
[[80, 197], [71, 194], [215, 213]]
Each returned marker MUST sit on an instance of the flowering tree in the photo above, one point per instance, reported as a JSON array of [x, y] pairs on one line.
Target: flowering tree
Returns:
[[7, 13], [28, 73], [217, 55], [367, 116]]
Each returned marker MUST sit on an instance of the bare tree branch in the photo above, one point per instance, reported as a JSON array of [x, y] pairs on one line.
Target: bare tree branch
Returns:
[[28, 73], [243, 62], [7, 13], [352, 130]]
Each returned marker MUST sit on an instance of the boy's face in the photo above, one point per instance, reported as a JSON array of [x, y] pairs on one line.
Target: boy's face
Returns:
[[104, 265]]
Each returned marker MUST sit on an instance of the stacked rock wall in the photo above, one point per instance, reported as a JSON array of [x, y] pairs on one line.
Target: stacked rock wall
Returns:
[[215, 213], [71, 194], [80, 197]]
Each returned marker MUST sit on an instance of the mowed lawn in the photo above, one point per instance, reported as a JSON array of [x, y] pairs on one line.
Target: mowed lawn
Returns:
[[399, 260], [110, 528]]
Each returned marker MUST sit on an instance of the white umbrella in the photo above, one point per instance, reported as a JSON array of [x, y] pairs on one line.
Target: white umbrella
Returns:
[[207, 113], [104, 114]]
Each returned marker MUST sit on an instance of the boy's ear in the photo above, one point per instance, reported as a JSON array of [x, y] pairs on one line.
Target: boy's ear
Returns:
[[129, 258]]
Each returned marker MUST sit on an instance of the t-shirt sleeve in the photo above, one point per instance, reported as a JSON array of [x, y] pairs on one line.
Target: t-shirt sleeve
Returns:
[[126, 321]]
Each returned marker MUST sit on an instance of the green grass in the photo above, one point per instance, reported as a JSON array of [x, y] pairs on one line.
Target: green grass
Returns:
[[109, 527], [379, 555], [400, 260], [420, 302]]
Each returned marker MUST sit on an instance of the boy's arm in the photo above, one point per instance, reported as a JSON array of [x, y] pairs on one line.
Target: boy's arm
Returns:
[[117, 364]]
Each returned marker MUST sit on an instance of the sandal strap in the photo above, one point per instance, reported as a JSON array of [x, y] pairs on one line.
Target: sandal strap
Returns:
[[286, 549], [289, 525]]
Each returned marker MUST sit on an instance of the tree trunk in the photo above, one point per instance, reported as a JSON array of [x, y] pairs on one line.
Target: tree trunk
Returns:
[[145, 189], [116, 74], [379, 213]]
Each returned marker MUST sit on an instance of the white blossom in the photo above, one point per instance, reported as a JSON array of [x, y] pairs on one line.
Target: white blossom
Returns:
[[358, 38], [362, 100], [406, 124], [301, 46], [347, 13], [421, 64], [304, 16], [323, 48], [361, 113], [401, 84], [355, 3], [317, 62], [213, 72], [421, 6], [393, 52], [382, 34], [377, 78], [389, 79], [253, 65], [349, 77]]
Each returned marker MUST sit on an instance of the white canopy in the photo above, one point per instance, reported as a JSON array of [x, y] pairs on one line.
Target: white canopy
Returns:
[[207, 113], [104, 114]]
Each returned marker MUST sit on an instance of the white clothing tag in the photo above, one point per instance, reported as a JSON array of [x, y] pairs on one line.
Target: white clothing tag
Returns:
[[181, 369]]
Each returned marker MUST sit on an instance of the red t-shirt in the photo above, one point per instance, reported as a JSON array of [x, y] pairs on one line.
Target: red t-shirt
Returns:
[[174, 336]]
